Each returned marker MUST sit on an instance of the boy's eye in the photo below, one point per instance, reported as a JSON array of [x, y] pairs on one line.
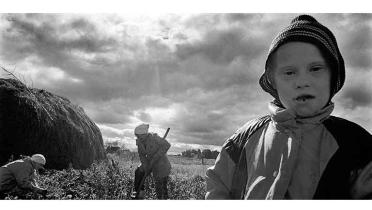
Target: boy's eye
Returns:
[[316, 68], [289, 73]]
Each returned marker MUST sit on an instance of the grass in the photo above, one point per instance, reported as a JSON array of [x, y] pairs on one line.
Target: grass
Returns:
[[113, 180]]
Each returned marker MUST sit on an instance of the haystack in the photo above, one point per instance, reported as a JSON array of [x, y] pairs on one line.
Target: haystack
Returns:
[[36, 121]]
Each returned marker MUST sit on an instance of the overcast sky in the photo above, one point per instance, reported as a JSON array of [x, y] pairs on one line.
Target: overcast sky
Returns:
[[196, 73]]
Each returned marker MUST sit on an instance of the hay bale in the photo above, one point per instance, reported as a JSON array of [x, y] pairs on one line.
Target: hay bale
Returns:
[[36, 121]]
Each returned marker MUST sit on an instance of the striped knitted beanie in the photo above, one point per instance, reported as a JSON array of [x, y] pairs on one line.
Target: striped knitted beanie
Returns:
[[306, 28]]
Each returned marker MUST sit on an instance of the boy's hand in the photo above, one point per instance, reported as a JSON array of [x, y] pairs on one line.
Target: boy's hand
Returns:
[[363, 185]]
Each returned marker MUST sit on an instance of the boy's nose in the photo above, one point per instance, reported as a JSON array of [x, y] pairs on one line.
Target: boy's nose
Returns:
[[302, 81]]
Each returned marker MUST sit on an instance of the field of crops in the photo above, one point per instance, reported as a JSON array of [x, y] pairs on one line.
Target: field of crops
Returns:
[[113, 180]]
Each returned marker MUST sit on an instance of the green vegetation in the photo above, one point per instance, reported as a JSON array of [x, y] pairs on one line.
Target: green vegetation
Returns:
[[113, 179]]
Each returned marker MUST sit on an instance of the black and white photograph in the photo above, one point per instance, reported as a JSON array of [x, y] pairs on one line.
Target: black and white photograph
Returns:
[[185, 106]]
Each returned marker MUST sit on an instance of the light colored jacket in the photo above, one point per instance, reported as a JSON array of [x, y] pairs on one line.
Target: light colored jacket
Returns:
[[154, 149], [19, 173], [281, 157]]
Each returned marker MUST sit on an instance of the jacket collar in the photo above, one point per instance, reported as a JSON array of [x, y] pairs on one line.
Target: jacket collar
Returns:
[[285, 118]]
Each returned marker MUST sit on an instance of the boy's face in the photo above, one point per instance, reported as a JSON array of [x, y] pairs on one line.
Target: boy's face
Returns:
[[301, 78]]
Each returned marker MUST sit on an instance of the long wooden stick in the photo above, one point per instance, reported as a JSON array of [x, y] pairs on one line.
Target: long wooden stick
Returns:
[[166, 133]]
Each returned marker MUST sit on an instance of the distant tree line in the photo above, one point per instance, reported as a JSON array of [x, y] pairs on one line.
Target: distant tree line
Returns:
[[205, 153], [113, 147]]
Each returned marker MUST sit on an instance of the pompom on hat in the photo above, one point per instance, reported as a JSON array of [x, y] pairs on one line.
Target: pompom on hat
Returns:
[[305, 28], [142, 129], [38, 158]]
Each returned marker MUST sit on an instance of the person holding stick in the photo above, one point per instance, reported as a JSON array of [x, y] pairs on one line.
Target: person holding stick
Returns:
[[152, 150]]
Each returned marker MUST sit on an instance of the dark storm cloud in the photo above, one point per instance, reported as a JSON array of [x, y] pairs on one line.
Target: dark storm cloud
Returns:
[[108, 112], [222, 47], [204, 21], [199, 73], [102, 79], [40, 36], [221, 57], [43, 38], [229, 55], [239, 17]]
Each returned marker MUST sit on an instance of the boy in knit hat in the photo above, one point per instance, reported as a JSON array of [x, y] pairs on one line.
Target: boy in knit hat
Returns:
[[19, 176], [299, 151]]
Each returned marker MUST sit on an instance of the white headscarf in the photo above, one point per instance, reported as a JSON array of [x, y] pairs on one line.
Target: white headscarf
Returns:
[[142, 129], [38, 158]]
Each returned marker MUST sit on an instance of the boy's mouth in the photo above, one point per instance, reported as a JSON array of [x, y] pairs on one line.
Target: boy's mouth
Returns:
[[304, 97]]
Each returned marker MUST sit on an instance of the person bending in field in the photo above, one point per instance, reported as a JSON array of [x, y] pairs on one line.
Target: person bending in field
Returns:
[[152, 150], [19, 176], [299, 150]]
